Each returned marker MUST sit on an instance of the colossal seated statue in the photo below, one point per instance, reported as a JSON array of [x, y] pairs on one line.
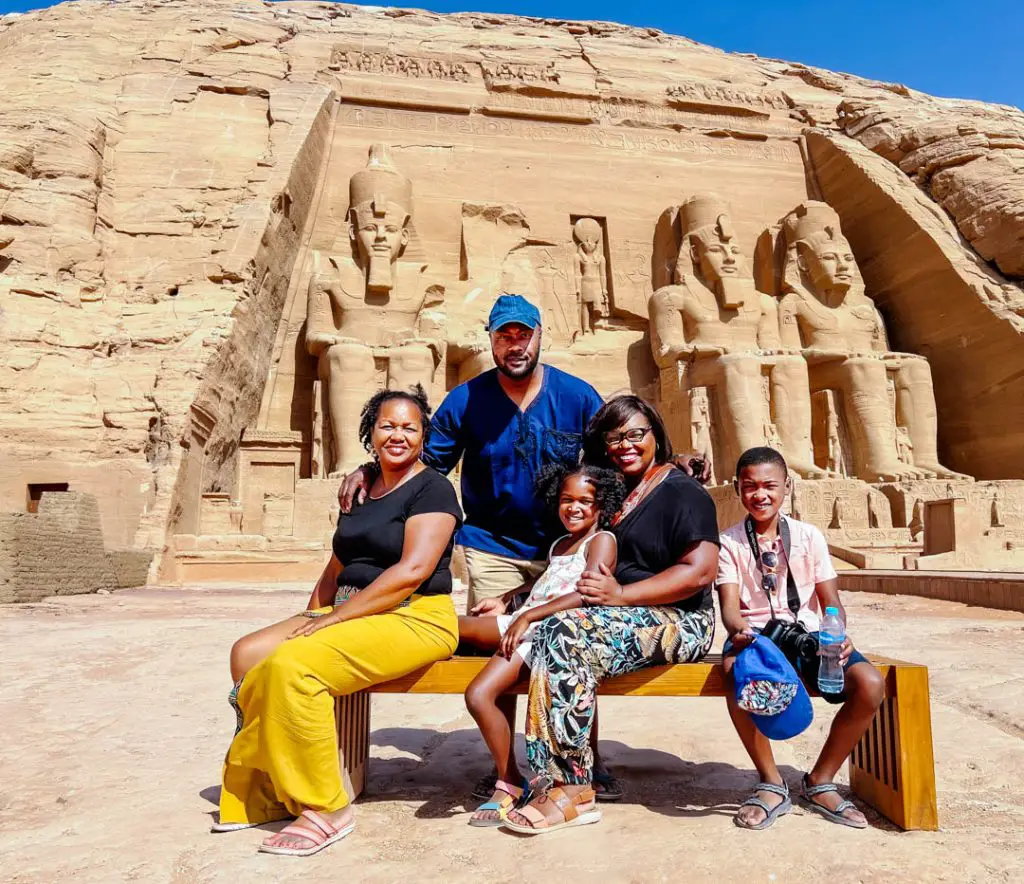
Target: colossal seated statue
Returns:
[[365, 315], [713, 328], [825, 312]]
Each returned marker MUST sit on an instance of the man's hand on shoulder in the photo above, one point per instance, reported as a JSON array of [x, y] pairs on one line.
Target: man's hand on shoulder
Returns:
[[354, 487], [697, 466]]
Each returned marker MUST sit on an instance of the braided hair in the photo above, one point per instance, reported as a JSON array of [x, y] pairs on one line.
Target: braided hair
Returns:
[[609, 488], [371, 411]]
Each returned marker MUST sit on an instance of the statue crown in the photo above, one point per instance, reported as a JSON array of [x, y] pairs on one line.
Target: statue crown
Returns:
[[810, 218], [380, 182]]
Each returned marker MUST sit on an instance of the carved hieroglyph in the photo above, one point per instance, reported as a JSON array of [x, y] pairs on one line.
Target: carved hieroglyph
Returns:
[[713, 328], [366, 310], [825, 313]]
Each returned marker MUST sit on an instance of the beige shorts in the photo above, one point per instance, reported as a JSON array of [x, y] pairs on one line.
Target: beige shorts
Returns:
[[490, 576]]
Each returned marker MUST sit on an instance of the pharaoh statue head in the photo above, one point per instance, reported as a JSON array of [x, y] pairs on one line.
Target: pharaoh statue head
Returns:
[[380, 205], [818, 258], [710, 246], [588, 234]]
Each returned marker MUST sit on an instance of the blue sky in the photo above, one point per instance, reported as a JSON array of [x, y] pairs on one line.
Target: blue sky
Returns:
[[945, 47]]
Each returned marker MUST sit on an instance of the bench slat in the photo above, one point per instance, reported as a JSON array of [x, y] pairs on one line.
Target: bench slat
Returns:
[[702, 679]]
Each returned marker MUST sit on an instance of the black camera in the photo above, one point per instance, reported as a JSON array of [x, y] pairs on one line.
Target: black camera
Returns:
[[792, 639]]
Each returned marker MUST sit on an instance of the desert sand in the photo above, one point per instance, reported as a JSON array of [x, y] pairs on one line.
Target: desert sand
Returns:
[[115, 722]]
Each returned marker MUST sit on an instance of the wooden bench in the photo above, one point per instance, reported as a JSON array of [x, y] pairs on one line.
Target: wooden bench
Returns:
[[892, 768]]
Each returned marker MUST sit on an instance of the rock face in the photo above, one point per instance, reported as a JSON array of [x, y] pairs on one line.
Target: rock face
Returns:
[[176, 179]]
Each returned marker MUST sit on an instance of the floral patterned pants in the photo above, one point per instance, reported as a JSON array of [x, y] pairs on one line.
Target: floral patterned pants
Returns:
[[573, 651]]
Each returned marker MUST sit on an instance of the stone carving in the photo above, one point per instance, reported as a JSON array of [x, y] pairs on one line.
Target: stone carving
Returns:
[[904, 446], [366, 310], [700, 425], [398, 65], [591, 277], [996, 516], [824, 311], [879, 511], [695, 90], [496, 73], [835, 451], [711, 327]]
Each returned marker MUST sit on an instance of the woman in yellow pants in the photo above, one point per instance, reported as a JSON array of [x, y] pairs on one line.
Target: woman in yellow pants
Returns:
[[381, 609]]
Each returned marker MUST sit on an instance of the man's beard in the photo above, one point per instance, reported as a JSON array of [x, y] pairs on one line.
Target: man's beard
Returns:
[[521, 372], [379, 275]]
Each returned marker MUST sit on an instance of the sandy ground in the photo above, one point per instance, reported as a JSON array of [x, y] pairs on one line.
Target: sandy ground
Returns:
[[114, 724]]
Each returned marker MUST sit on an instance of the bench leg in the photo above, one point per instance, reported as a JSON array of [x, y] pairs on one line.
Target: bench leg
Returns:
[[892, 768], [352, 714]]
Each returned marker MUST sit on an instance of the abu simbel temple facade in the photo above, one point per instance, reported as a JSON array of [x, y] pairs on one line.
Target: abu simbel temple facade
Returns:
[[222, 225]]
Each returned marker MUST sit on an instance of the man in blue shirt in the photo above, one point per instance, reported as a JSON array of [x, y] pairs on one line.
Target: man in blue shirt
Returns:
[[504, 425]]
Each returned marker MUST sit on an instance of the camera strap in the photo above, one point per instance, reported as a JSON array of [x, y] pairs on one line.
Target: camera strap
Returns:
[[792, 595]]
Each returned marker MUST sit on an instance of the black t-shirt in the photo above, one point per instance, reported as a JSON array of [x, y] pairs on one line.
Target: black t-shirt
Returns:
[[675, 515], [369, 540]]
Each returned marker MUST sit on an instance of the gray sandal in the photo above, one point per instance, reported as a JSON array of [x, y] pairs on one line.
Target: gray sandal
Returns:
[[808, 792], [771, 813]]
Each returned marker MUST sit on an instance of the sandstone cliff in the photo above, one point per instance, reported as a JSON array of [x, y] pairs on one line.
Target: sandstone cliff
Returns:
[[159, 160]]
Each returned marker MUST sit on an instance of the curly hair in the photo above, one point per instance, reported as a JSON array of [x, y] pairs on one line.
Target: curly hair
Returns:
[[609, 488], [371, 411]]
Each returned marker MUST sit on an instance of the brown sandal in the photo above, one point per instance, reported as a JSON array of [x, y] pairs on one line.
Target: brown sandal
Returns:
[[576, 810]]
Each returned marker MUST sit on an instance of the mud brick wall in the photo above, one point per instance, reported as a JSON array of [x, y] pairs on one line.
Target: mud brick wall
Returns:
[[59, 551]]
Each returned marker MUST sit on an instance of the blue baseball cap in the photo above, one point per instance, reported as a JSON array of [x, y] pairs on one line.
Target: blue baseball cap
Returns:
[[512, 308], [768, 687]]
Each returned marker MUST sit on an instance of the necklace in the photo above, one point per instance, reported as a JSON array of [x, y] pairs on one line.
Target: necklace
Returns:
[[400, 482], [647, 484]]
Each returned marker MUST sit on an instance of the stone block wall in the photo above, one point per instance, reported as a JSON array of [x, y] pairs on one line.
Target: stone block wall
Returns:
[[59, 551]]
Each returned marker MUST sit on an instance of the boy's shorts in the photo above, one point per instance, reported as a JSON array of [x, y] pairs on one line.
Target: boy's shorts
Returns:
[[808, 670]]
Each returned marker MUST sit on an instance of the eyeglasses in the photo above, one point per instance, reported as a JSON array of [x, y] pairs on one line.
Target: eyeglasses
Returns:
[[634, 436], [769, 564]]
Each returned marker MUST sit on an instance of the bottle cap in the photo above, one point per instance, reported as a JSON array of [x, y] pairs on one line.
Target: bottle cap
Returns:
[[833, 611]]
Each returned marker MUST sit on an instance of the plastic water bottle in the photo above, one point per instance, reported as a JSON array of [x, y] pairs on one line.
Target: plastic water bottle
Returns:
[[831, 636]]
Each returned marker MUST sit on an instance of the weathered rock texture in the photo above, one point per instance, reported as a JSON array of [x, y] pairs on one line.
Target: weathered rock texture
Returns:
[[168, 170]]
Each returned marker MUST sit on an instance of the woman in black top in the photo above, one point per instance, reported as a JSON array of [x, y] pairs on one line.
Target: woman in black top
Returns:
[[656, 608], [381, 609]]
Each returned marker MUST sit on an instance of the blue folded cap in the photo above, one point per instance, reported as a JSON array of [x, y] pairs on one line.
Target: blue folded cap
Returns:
[[512, 308], [768, 687]]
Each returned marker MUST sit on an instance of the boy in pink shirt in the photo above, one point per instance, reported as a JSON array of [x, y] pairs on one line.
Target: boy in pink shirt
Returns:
[[787, 584]]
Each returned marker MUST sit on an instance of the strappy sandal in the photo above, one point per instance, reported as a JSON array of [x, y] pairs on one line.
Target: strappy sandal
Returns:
[[611, 787], [319, 832], [577, 810], [808, 793], [501, 808], [771, 813]]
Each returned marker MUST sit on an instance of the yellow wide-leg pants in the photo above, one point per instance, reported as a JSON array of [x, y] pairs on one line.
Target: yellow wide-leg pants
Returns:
[[285, 757]]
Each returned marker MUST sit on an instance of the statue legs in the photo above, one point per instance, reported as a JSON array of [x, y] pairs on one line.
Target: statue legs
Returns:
[[737, 378], [862, 381], [348, 370], [915, 399], [791, 392], [409, 365]]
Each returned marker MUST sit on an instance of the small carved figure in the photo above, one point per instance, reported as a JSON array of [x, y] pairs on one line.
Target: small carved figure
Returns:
[[591, 278], [997, 516], [700, 425], [838, 514], [835, 451], [879, 513], [904, 446], [916, 525], [771, 436]]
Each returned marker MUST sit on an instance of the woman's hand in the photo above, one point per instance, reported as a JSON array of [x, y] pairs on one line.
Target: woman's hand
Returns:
[[600, 587], [742, 638], [513, 636], [488, 608], [315, 624]]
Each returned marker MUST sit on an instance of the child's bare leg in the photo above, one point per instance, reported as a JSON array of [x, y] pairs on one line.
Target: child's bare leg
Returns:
[[758, 747], [257, 646], [484, 699], [865, 691], [481, 632]]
